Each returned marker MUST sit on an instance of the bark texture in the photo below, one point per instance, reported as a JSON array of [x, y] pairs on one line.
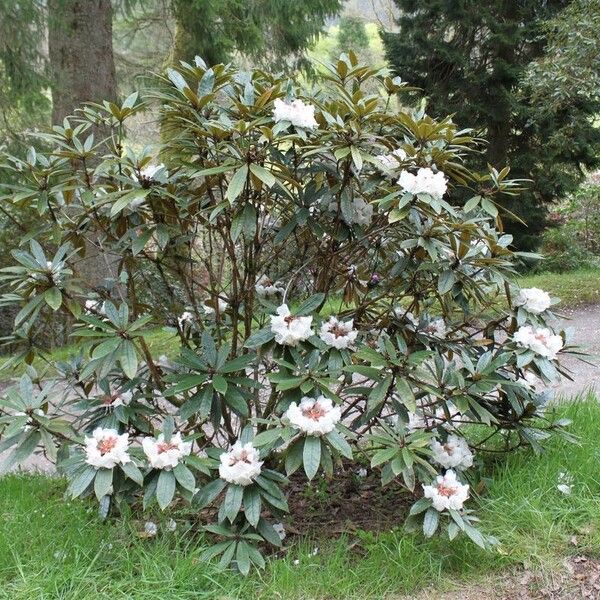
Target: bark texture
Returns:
[[81, 54]]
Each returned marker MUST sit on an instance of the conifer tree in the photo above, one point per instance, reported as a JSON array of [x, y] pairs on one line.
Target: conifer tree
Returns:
[[470, 58]]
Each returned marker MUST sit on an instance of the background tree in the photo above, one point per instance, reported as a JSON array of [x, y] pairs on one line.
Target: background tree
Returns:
[[81, 54], [470, 59], [352, 34], [271, 30], [22, 68]]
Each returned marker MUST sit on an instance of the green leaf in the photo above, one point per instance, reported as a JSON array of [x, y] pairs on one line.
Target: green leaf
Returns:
[[357, 158], [237, 183], [259, 338], [339, 443], [53, 298], [132, 471], [177, 79], [165, 488], [184, 477], [267, 437], [445, 282], [252, 505], [128, 359], [21, 452], [186, 382], [242, 558], [265, 176], [127, 199], [103, 483], [311, 455], [81, 482], [293, 457], [377, 396], [237, 364], [209, 492], [310, 305], [233, 501], [269, 534], [430, 522], [220, 384]]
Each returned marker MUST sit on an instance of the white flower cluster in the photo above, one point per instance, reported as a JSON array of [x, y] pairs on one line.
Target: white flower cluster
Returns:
[[454, 453], [106, 449], [359, 213], [391, 161], [447, 492], [313, 416], [240, 465], [424, 182], [185, 317], [209, 311], [165, 455], [95, 306], [534, 300], [296, 112], [362, 213], [542, 341], [338, 334], [290, 329], [265, 287]]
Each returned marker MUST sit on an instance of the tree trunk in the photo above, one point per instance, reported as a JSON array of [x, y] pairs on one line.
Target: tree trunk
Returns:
[[83, 70], [81, 54]]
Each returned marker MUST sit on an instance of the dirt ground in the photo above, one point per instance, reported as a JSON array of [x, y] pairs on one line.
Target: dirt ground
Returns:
[[577, 579]]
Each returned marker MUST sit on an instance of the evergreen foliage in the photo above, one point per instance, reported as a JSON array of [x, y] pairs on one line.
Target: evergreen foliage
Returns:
[[470, 59]]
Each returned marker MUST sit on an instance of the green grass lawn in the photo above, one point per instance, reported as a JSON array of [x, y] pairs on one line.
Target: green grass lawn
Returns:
[[574, 288], [51, 549]]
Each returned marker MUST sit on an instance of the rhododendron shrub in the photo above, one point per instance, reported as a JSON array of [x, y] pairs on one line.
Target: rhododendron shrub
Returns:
[[326, 302]]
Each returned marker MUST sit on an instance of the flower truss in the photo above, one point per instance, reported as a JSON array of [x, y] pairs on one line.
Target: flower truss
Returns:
[[380, 343]]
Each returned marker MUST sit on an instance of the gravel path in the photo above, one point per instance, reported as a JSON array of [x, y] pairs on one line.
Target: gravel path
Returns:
[[583, 329]]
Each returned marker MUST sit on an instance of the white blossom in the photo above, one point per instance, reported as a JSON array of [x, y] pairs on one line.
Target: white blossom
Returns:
[[362, 213], [453, 453], [359, 212], [534, 300], [565, 483], [290, 329], [313, 416], [265, 287], [296, 112], [171, 525], [240, 465], [185, 317], [165, 455], [338, 334], [447, 492], [149, 171], [392, 160], [95, 306], [542, 340], [424, 182], [280, 530], [150, 528], [401, 313], [210, 311], [106, 448]]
